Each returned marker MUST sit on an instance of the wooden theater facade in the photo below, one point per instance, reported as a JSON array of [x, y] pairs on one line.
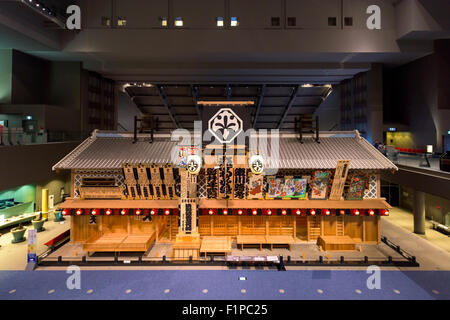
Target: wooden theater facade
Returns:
[[128, 193]]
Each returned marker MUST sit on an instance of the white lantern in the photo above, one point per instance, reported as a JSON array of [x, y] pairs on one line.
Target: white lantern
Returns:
[[256, 164]]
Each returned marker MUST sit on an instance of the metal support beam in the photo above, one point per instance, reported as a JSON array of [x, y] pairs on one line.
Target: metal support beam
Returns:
[[289, 106], [168, 107], [194, 90], [262, 89]]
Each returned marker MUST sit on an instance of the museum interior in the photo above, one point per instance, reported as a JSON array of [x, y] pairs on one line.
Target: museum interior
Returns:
[[225, 132]]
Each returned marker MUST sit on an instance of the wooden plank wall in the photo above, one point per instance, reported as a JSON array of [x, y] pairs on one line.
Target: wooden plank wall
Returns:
[[364, 229], [82, 231]]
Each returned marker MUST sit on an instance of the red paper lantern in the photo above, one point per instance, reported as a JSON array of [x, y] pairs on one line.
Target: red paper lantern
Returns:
[[254, 212], [167, 212], [283, 212], [313, 212], [225, 212], [108, 212], [137, 212], [94, 212], [79, 212], [342, 212], [371, 212], [239, 212], [152, 212], [386, 212], [123, 212], [298, 212], [356, 212], [210, 212], [269, 212], [64, 212], [327, 212]]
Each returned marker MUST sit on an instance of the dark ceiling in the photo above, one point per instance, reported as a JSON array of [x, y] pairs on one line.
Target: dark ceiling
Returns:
[[275, 106]]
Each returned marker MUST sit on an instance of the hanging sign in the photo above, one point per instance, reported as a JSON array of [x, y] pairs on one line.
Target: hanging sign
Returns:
[[31, 255]]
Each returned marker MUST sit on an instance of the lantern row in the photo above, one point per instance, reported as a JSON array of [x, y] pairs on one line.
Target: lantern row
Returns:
[[296, 212], [122, 212], [225, 212]]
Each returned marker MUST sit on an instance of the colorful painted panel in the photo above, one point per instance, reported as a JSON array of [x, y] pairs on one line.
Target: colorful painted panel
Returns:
[[357, 187], [319, 184], [255, 186], [274, 187], [288, 188], [300, 188]]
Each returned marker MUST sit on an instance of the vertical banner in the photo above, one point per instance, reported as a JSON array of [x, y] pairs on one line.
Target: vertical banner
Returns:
[[340, 176], [31, 256]]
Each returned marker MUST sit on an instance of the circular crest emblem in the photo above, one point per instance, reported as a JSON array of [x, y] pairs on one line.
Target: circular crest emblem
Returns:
[[194, 164], [256, 164], [225, 125]]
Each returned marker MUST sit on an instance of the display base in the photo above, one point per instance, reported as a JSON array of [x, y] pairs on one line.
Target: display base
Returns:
[[19, 240]]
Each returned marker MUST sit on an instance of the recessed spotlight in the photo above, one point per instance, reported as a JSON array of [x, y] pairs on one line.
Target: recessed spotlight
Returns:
[[178, 22]]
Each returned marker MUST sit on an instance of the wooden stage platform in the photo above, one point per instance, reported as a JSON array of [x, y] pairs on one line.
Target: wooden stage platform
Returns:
[[120, 242], [336, 243], [262, 240], [216, 245]]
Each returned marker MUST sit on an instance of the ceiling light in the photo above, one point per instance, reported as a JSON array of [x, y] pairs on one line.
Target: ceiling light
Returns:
[[234, 21], [163, 21], [307, 85], [227, 102], [219, 21], [178, 22]]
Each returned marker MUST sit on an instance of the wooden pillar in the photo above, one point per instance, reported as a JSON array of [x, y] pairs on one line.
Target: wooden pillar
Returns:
[[379, 229], [128, 225], [307, 228], [364, 229], [378, 186], [321, 226], [157, 228], [170, 228], [211, 225], [267, 225], [239, 225], [295, 226], [100, 225], [72, 189]]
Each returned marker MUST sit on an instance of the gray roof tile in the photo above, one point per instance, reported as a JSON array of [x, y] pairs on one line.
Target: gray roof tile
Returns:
[[110, 151]]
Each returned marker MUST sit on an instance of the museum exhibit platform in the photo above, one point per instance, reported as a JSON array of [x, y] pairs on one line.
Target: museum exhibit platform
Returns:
[[325, 192]]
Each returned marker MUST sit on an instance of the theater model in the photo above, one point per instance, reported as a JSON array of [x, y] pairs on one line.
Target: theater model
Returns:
[[129, 191]]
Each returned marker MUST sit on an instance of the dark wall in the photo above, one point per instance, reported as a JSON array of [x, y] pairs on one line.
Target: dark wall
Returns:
[[29, 77], [412, 99], [442, 49], [28, 164]]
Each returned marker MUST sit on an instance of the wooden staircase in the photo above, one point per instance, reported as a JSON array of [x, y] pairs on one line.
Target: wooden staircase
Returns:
[[339, 226], [313, 228]]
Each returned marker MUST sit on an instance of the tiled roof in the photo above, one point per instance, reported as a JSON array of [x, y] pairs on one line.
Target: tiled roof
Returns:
[[324, 155], [111, 150]]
